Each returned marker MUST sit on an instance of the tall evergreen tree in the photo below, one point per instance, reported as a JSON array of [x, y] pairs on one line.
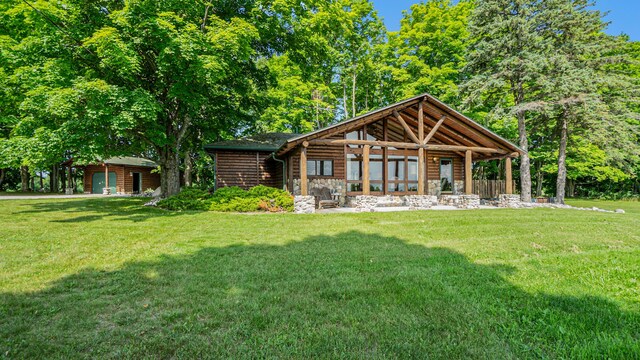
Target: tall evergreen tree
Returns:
[[507, 59]]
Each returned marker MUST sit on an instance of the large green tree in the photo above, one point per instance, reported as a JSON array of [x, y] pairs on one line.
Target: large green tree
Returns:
[[507, 60]]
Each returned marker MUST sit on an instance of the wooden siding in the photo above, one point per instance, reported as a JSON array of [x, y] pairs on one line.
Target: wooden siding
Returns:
[[124, 179], [322, 152], [433, 168], [247, 169]]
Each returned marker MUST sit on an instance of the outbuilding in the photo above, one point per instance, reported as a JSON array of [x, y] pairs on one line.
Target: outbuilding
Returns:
[[121, 175]]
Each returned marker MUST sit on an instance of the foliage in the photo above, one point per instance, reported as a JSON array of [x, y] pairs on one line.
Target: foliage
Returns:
[[230, 199], [187, 199]]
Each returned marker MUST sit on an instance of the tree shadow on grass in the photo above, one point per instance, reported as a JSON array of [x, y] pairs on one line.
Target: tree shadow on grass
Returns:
[[353, 295], [130, 209]]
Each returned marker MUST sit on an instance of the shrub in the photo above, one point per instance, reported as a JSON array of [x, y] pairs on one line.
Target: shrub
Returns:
[[229, 199], [258, 198], [187, 199]]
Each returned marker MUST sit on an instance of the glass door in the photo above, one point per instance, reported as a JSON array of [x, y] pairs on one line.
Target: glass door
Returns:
[[446, 175]]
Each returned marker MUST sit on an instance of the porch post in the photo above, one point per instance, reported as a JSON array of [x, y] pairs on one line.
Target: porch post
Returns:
[[106, 190], [468, 175], [421, 163], [508, 176], [303, 170], [365, 170]]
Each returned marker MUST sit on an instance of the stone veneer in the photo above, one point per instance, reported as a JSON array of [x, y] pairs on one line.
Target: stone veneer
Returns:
[[368, 203], [460, 201], [433, 187], [420, 202], [304, 204], [336, 186], [509, 201]]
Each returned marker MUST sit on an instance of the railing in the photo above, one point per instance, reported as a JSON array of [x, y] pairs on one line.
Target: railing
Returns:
[[490, 189]]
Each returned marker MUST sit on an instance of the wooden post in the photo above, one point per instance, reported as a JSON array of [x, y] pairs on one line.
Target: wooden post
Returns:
[[468, 175], [303, 171], [106, 176], [508, 176], [365, 170], [421, 162]]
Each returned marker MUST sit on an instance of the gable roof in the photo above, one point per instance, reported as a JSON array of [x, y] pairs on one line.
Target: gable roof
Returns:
[[260, 142], [458, 128], [130, 161]]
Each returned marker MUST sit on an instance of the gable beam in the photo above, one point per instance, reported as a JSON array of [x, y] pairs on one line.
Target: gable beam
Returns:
[[406, 127], [434, 129], [405, 145]]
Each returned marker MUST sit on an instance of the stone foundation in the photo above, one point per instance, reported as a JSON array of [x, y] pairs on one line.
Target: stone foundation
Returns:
[[460, 201], [369, 202], [458, 187], [420, 202], [509, 201], [336, 186], [304, 204]]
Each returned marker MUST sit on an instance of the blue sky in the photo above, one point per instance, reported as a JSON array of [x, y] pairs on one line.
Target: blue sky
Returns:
[[624, 15]]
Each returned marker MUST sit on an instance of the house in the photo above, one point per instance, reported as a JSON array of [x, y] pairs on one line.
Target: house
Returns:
[[418, 146], [126, 175]]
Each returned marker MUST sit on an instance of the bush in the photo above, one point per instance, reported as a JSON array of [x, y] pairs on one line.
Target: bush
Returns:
[[187, 199], [230, 199], [259, 198]]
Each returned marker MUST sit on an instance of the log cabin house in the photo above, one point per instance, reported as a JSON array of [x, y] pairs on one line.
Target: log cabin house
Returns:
[[121, 175], [419, 146]]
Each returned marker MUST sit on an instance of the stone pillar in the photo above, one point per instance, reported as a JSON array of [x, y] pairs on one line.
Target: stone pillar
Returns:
[[304, 204], [509, 201]]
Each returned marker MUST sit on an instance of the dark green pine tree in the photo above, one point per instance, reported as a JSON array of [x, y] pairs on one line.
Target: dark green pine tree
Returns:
[[588, 87], [505, 65]]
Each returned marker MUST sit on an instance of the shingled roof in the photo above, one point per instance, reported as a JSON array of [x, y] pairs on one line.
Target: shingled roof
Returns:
[[260, 142], [130, 161]]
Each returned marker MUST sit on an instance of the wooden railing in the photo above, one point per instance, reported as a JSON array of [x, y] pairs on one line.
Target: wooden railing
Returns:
[[489, 189]]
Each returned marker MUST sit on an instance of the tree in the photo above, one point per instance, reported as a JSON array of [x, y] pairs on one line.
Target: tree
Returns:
[[428, 53], [505, 65], [586, 91]]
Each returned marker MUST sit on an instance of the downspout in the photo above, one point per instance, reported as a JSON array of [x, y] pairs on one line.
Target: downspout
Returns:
[[284, 170]]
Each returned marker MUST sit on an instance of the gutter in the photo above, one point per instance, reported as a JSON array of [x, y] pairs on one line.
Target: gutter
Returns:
[[284, 170]]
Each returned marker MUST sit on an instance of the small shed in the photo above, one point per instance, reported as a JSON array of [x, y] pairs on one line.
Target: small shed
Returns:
[[121, 175]]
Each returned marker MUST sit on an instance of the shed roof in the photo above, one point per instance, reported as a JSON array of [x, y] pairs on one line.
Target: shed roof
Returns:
[[260, 142]]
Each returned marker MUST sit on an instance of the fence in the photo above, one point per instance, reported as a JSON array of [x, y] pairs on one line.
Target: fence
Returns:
[[490, 189]]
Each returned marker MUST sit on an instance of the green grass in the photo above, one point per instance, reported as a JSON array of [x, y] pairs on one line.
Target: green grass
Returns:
[[106, 278]]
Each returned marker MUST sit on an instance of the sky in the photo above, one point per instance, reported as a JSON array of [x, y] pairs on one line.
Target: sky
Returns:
[[623, 14]]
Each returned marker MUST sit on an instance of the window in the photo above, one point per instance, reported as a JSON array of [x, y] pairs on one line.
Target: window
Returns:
[[320, 167]]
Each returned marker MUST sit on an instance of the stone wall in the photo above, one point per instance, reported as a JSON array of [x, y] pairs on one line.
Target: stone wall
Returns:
[[336, 186], [420, 202], [433, 187], [304, 204], [460, 201], [509, 201], [458, 187]]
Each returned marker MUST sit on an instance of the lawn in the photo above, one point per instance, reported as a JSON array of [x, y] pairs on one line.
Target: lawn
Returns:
[[107, 278]]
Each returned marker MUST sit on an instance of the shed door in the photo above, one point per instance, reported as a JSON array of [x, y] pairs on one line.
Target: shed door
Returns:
[[97, 182]]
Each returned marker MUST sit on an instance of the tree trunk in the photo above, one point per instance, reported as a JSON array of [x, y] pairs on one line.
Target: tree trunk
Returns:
[[344, 102], [53, 182], [571, 188], [33, 183], [562, 161], [24, 178], [169, 171], [63, 178], [353, 94], [1, 178], [525, 163], [188, 168], [539, 179], [41, 182]]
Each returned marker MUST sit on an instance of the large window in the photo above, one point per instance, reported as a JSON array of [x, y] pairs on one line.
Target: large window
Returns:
[[402, 173], [320, 167]]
